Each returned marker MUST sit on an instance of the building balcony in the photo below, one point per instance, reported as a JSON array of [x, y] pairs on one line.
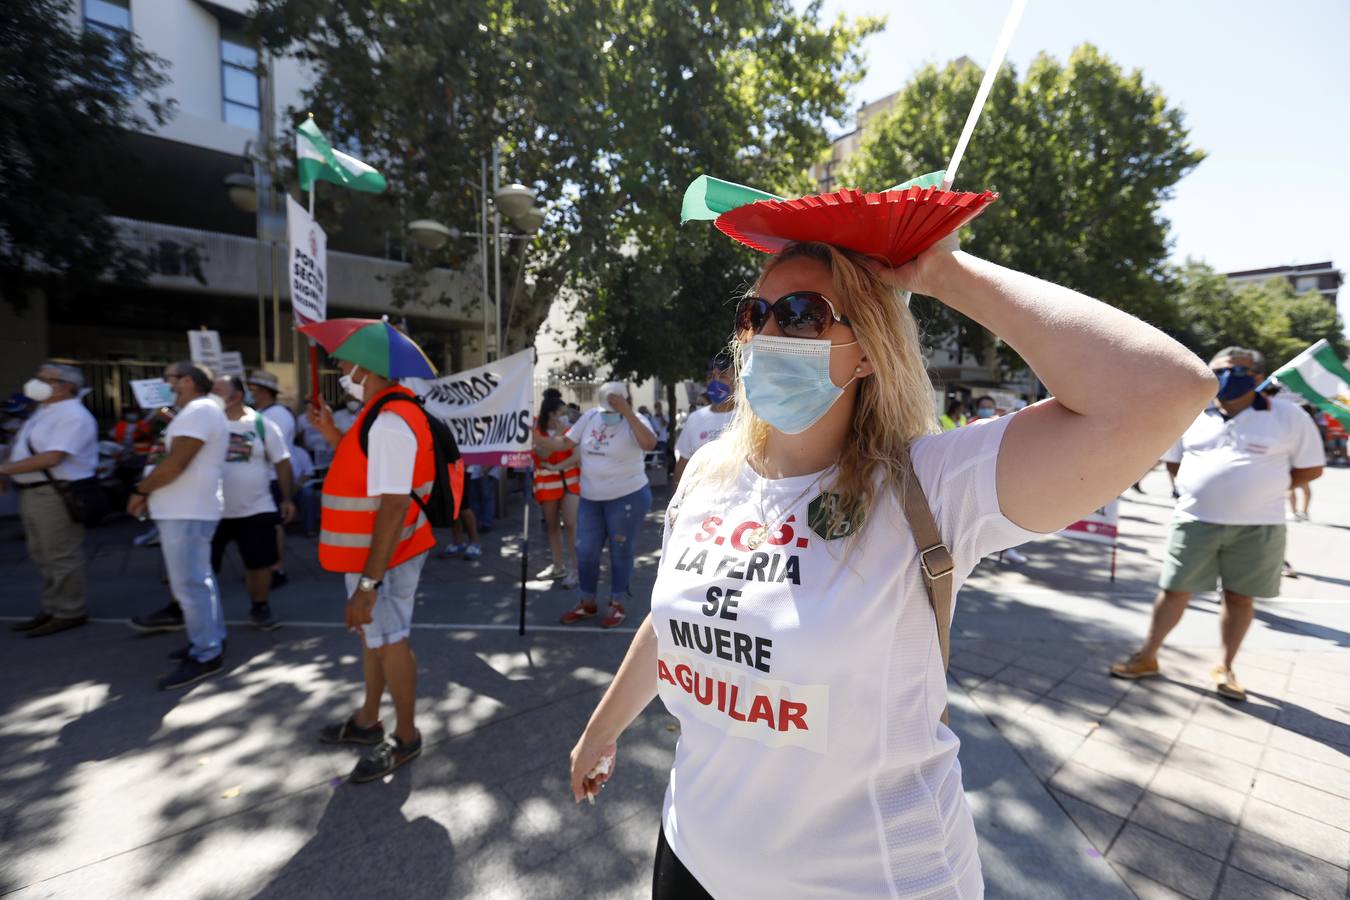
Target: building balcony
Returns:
[[209, 262]]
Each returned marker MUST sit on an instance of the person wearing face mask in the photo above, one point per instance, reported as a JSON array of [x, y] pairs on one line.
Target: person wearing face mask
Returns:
[[57, 443], [985, 408], [183, 494], [615, 496], [1232, 468], [705, 424], [344, 416], [793, 630], [256, 450]]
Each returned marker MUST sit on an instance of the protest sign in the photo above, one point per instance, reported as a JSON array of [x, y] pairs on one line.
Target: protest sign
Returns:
[[152, 393], [204, 348], [308, 272], [1098, 528], [231, 363], [487, 408]]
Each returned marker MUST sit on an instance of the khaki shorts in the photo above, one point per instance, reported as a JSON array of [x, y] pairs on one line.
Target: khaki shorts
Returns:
[[1246, 559]]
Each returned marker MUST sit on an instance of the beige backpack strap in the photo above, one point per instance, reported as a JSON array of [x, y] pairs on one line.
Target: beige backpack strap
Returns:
[[935, 558]]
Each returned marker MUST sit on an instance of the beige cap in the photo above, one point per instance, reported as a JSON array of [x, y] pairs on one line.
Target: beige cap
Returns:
[[264, 379]]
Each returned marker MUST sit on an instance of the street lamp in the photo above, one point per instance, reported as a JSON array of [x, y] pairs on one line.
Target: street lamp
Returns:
[[429, 233], [243, 191], [529, 220], [514, 200]]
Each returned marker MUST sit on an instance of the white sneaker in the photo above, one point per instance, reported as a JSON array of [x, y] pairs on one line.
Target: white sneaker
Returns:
[[1012, 555], [568, 580], [552, 573]]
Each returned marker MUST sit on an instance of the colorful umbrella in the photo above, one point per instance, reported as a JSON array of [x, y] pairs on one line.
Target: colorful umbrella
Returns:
[[374, 345]]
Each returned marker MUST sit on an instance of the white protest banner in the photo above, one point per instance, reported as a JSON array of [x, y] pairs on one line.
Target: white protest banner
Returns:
[[204, 348], [1098, 528], [152, 393], [308, 266], [488, 409], [231, 363]]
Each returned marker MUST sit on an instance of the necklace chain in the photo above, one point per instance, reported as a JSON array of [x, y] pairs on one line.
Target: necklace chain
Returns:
[[761, 534]]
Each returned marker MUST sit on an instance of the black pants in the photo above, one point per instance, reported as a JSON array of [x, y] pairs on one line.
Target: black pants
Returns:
[[670, 879]]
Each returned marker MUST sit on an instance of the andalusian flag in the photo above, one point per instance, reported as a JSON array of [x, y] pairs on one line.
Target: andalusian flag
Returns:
[[317, 160], [1318, 376]]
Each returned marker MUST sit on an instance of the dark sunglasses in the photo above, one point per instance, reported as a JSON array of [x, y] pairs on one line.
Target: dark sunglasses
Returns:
[[1239, 371], [801, 314]]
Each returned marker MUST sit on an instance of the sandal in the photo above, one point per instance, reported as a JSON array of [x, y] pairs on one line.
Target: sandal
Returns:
[[615, 616], [583, 610], [387, 757], [349, 732]]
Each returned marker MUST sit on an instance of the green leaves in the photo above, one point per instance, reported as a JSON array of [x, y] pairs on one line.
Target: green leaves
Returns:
[[1082, 153], [608, 108]]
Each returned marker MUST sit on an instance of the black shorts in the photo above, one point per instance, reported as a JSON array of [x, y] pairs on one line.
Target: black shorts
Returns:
[[256, 537], [670, 879]]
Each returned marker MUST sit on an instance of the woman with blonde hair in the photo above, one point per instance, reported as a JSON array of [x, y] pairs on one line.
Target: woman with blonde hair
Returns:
[[791, 631]]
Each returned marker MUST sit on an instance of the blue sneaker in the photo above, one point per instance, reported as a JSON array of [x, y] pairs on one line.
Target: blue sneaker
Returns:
[[473, 551], [453, 550]]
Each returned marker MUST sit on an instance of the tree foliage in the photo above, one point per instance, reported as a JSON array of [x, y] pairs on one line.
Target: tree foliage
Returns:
[[1082, 155], [1268, 317], [608, 110], [66, 99]]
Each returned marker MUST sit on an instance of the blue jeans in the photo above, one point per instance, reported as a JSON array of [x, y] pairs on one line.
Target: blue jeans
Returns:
[[618, 520], [482, 498], [187, 555]]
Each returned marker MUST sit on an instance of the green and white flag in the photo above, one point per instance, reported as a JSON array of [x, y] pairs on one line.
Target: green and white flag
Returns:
[[1319, 376], [317, 160]]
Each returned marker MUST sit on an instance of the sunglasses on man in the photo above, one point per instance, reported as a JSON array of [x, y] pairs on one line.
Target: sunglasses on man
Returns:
[[1238, 371], [801, 314]]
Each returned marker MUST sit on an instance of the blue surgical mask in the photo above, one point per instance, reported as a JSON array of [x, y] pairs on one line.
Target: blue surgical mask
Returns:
[[985, 412], [611, 418], [787, 381], [718, 391], [1234, 382]]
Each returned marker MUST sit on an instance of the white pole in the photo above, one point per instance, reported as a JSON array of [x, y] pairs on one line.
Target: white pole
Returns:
[[990, 73], [311, 201], [497, 250]]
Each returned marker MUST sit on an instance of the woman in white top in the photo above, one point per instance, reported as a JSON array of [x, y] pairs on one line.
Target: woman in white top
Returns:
[[615, 496], [790, 632]]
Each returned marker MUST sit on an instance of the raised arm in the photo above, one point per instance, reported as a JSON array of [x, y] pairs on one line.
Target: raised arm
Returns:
[[1122, 390]]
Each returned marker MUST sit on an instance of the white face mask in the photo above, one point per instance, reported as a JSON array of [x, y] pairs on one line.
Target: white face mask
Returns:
[[353, 406], [354, 388], [37, 390]]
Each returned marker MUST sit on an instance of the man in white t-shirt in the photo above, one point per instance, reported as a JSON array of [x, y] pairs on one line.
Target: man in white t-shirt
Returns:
[[57, 443], [266, 390], [706, 424], [182, 493], [256, 450], [1232, 468]]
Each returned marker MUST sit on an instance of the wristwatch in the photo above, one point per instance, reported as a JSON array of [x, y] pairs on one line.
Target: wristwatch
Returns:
[[368, 584]]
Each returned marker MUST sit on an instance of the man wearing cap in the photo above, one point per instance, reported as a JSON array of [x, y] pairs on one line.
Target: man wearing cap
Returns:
[[266, 389], [707, 423], [57, 443], [1232, 468]]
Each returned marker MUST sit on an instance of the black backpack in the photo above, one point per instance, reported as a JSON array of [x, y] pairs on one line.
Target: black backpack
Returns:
[[442, 506]]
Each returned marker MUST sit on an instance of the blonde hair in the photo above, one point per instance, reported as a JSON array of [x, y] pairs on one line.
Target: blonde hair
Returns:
[[894, 405]]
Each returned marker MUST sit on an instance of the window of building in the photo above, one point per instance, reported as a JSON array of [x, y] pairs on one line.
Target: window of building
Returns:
[[110, 17], [1306, 283], [239, 81]]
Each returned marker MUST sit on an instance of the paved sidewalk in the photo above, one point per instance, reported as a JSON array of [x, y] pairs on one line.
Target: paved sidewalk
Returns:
[[1081, 785]]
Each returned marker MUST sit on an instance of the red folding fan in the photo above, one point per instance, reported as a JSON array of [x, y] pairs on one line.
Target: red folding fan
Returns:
[[894, 225]]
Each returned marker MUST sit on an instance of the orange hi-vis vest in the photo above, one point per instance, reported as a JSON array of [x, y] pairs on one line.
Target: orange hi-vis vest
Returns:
[[348, 519], [550, 484]]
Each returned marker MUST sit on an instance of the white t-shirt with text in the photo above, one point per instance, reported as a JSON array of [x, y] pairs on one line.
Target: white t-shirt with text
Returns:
[[703, 426], [1235, 472], [808, 682], [611, 458], [66, 425], [248, 470], [196, 492]]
